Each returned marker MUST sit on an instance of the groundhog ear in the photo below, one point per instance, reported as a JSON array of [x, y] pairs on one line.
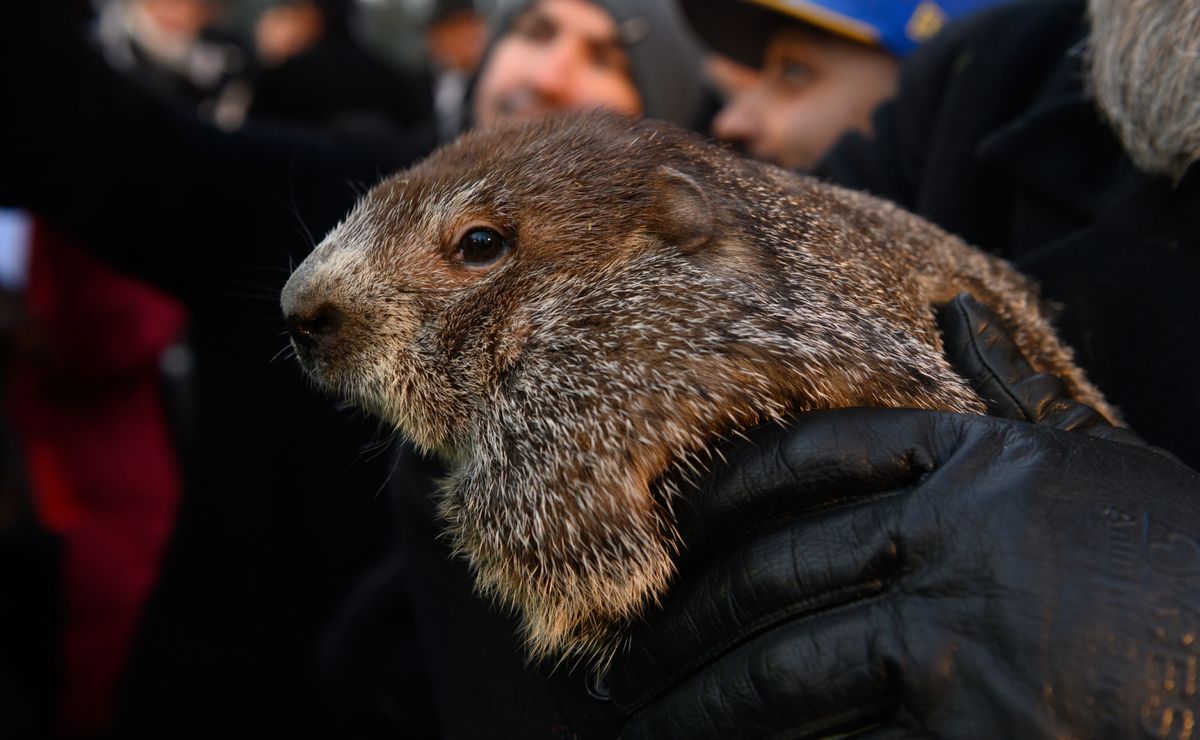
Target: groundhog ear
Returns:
[[685, 214]]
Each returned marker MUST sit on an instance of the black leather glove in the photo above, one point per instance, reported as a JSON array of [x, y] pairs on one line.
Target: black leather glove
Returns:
[[914, 573]]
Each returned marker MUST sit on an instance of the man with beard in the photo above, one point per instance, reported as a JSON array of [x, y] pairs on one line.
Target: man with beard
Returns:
[[915, 574]]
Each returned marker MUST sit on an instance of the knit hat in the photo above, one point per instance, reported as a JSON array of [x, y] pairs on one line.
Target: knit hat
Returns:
[[665, 60]]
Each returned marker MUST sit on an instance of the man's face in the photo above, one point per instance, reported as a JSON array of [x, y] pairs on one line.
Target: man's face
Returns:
[[180, 18], [813, 89], [283, 31], [558, 55]]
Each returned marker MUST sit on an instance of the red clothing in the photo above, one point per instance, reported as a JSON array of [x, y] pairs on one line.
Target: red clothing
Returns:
[[86, 403]]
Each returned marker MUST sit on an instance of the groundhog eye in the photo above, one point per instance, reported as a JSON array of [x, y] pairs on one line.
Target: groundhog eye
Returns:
[[481, 247]]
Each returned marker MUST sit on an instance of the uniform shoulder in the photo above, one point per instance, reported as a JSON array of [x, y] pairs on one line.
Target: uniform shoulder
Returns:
[[1027, 34]]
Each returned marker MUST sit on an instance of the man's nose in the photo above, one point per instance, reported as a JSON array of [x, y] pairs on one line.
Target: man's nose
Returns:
[[740, 121], [553, 74]]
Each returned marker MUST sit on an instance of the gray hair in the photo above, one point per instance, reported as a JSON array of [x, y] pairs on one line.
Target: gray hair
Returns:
[[1144, 62]]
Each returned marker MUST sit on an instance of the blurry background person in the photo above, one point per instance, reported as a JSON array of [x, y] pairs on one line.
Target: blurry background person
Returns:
[[97, 434], [825, 66], [455, 38], [173, 47], [620, 55], [1063, 135], [100, 438], [96, 401], [317, 71]]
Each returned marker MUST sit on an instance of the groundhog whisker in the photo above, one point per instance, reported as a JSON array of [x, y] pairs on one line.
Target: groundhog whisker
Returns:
[[388, 478], [290, 205], [374, 449], [285, 350], [264, 294]]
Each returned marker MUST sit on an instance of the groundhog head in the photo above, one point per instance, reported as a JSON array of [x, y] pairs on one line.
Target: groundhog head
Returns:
[[419, 304]]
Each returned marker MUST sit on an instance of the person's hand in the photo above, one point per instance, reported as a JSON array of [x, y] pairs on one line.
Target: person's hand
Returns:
[[908, 572]]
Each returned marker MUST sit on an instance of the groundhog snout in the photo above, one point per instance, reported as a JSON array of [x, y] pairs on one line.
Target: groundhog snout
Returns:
[[315, 327], [314, 321]]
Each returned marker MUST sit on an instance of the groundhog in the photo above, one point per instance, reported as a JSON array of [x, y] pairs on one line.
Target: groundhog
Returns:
[[567, 310]]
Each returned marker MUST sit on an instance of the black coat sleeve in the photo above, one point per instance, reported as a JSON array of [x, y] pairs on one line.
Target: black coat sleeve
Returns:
[[953, 94]]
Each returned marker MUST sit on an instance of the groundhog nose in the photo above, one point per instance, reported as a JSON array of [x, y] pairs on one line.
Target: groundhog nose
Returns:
[[316, 327]]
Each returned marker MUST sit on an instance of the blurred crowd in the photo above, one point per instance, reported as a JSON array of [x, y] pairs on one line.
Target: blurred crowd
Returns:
[[195, 543], [101, 428]]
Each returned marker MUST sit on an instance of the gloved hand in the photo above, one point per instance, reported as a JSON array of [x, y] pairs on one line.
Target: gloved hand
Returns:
[[917, 573]]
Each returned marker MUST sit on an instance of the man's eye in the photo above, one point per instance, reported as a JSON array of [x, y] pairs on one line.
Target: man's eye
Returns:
[[610, 59], [481, 247], [534, 28], [792, 72]]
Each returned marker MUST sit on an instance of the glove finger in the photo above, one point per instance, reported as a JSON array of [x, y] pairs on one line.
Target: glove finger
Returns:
[[978, 345], [807, 678], [980, 349], [823, 460], [780, 575]]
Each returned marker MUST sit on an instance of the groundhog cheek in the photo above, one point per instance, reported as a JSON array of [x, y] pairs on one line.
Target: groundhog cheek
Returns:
[[511, 345]]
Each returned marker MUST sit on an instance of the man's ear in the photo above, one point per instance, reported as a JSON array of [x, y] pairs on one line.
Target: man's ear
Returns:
[[685, 213]]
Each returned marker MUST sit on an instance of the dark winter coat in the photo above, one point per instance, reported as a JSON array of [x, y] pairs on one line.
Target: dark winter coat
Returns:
[[993, 137], [338, 79]]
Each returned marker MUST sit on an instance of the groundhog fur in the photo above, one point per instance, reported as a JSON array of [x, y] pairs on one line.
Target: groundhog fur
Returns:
[[653, 294]]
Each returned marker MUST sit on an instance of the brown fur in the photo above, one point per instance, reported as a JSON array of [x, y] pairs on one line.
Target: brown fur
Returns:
[[662, 293]]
